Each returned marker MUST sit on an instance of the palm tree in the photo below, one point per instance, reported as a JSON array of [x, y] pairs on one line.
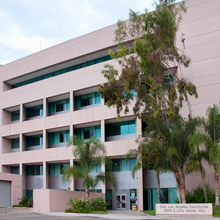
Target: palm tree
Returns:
[[89, 154], [150, 154], [199, 150], [174, 135], [212, 127]]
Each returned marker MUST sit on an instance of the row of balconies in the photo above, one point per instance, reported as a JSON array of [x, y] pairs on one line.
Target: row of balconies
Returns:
[[59, 137]]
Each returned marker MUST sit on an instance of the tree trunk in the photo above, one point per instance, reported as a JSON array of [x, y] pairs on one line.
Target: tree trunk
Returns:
[[183, 189], [87, 193], [87, 187], [177, 178], [203, 181], [216, 188], [158, 186]]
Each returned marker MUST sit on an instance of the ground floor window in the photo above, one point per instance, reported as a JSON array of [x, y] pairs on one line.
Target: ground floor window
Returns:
[[167, 195], [29, 193], [109, 198]]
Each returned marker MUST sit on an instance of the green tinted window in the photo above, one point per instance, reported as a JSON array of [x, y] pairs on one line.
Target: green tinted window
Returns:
[[120, 128], [34, 111], [35, 140], [48, 75], [87, 133], [15, 170], [58, 137], [14, 143], [88, 99], [34, 170], [59, 106], [57, 169], [15, 115]]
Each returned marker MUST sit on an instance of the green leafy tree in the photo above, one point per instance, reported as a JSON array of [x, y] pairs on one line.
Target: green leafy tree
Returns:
[[88, 153], [150, 64]]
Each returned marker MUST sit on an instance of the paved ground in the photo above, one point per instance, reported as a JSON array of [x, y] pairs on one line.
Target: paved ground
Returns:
[[23, 213]]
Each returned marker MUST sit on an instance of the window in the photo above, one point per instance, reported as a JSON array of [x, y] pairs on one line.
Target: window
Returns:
[[34, 170], [120, 128], [59, 106], [122, 165], [15, 115], [57, 169], [58, 137], [87, 133], [168, 195], [35, 140], [34, 111], [15, 170], [96, 169], [86, 100], [14, 143], [68, 69], [29, 193]]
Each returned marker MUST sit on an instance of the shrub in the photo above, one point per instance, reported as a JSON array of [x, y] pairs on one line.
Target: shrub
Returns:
[[25, 202], [197, 195], [87, 206], [98, 204], [68, 210], [79, 205]]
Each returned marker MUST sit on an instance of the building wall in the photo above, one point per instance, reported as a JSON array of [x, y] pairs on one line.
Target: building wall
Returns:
[[202, 32]]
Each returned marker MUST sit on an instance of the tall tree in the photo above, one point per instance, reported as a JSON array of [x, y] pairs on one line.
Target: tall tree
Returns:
[[212, 127], [175, 137], [200, 153], [151, 154], [88, 153], [150, 63]]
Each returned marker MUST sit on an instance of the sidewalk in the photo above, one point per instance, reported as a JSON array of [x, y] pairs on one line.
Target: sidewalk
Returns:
[[109, 215], [132, 215]]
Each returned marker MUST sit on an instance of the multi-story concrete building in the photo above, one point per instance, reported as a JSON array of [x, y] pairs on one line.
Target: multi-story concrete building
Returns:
[[51, 95]]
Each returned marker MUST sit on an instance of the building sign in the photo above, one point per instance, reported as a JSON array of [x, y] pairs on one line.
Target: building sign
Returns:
[[184, 209]]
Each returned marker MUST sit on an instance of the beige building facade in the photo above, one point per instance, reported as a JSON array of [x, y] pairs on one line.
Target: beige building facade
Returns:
[[51, 95]]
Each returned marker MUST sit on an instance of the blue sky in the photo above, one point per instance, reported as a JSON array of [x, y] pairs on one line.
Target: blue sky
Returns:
[[28, 25]]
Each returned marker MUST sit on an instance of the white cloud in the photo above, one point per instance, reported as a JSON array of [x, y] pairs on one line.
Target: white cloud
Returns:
[[24, 24], [34, 44]]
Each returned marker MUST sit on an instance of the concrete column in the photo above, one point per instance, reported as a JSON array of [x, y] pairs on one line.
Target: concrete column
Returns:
[[45, 137], [22, 113], [45, 175], [72, 187], [140, 189], [102, 130], [138, 127], [45, 108], [22, 172], [71, 102], [22, 142], [71, 130], [102, 101], [103, 184]]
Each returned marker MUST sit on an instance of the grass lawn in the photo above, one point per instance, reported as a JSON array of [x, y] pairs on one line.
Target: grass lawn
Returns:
[[98, 212], [216, 211], [150, 212]]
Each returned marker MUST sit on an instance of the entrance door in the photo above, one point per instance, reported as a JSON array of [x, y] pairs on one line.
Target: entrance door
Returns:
[[121, 202]]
